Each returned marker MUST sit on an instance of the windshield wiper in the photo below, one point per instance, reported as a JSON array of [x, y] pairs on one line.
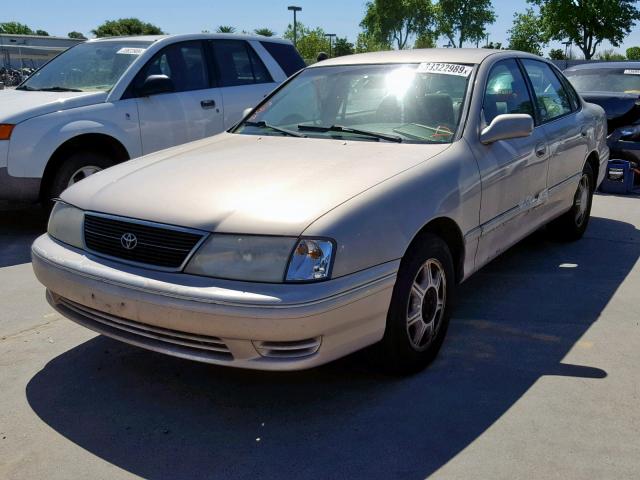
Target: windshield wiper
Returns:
[[263, 124], [56, 89], [356, 131]]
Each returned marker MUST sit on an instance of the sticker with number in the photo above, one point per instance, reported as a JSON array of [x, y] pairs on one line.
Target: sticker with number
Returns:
[[445, 68], [130, 51], [632, 72]]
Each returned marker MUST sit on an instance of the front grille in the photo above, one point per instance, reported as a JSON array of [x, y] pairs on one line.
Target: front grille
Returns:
[[165, 247], [188, 345]]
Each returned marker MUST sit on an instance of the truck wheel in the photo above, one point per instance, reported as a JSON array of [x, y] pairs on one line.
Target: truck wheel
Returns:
[[74, 168], [572, 225], [420, 307]]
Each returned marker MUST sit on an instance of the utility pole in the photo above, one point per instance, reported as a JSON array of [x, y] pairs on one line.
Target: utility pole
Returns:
[[295, 9], [330, 35]]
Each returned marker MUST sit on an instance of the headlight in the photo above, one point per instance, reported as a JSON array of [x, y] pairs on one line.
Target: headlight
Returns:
[[243, 257], [311, 260], [66, 224]]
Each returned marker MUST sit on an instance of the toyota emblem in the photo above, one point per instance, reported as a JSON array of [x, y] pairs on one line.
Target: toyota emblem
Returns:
[[129, 241]]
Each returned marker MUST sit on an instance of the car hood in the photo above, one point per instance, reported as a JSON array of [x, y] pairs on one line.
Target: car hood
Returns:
[[622, 109], [19, 105], [246, 184]]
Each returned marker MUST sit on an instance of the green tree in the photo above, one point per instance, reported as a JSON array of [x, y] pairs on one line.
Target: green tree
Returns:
[[226, 29], [15, 28], [526, 33], [77, 35], [633, 53], [367, 43], [396, 21], [310, 42], [425, 40], [588, 22], [342, 47], [126, 27], [494, 46], [464, 20], [265, 32], [42, 33], [557, 54], [610, 55]]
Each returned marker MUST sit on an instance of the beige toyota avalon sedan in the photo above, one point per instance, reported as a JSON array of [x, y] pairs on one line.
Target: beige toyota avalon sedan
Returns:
[[342, 211]]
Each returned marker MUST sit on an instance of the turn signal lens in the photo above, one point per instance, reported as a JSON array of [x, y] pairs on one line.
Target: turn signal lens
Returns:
[[5, 131], [311, 260]]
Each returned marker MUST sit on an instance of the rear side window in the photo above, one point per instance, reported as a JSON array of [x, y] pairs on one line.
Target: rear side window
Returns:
[[551, 97], [286, 55], [506, 91], [238, 64]]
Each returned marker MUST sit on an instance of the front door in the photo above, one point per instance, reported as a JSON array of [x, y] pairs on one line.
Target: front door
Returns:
[[513, 172], [192, 111]]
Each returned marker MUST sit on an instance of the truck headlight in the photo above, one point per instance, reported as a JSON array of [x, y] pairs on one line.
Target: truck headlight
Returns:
[[311, 260], [66, 224]]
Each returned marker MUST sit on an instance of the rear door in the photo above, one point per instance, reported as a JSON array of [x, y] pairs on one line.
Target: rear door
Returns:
[[566, 130], [193, 111], [514, 171], [243, 78]]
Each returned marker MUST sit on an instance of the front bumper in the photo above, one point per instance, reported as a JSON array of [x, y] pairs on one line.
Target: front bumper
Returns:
[[240, 324]]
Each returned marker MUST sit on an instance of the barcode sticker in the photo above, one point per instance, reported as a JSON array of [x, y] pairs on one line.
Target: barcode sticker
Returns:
[[445, 68], [130, 51]]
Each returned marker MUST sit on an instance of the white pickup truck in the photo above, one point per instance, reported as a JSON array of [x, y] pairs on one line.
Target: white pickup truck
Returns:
[[109, 100]]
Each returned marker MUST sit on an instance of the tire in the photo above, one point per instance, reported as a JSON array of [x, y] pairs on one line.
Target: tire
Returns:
[[74, 168], [402, 352], [571, 225]]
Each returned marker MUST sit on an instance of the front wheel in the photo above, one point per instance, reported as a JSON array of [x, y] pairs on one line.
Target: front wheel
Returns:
[[420, 307], [572, 225]]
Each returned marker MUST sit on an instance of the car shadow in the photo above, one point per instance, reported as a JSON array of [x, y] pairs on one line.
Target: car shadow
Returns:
[[20, 225], [160, 417]]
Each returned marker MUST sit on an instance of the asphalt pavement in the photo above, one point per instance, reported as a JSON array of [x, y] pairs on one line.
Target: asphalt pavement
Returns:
[[538, 378]]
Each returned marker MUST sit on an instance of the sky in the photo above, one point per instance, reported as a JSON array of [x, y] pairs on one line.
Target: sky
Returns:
[[341, 17]]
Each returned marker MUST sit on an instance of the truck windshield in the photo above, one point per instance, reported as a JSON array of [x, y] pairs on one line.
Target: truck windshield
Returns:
[[91, 66], [410, 103]]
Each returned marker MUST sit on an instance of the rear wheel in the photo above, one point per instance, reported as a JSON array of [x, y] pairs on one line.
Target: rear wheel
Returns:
[[572, 225], [420, 307]]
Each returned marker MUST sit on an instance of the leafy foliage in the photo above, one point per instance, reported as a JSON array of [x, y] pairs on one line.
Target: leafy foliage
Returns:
[[587, 22], [494, 46], [77, 35], [42, 33], [396, 21], [367, 43], [633, 53], [610, 55], [126, 27], [265, 32], [526, 33], [309, 42], [342, 47], [426, 40], [15, 28], [226, 29], [557, 54], [464, 20]]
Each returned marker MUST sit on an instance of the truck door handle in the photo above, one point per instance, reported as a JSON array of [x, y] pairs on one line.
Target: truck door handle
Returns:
[[541, 149], [208, 103]]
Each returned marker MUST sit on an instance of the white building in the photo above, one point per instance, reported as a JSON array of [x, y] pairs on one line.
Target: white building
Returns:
[[18, 51]]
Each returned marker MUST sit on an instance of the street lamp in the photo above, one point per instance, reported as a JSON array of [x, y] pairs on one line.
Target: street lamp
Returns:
[[566, 44], [294, 9], [330, 35]]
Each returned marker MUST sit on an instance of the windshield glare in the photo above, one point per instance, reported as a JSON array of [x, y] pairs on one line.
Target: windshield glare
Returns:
[[621, 80], [410, 101], [91, 66]]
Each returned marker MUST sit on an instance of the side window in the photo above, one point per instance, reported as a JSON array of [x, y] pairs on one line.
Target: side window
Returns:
[[286, 55], [573, 95], [506, 91], [184, 63], [551, 97], [238, 64]]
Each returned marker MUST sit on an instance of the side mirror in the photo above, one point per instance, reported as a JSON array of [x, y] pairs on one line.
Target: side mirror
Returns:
[[246, 111], [506, 126], [154, 85]]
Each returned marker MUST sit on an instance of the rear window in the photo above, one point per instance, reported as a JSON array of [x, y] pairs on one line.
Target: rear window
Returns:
[[286, 55]]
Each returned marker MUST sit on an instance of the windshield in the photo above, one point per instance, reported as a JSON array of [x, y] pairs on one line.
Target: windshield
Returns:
[[408, 103], [622, 80], [91, 66]]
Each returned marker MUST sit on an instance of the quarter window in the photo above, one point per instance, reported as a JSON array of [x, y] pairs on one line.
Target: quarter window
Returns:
[[551, 97], [184, 63], [238, 64], [506, 91]]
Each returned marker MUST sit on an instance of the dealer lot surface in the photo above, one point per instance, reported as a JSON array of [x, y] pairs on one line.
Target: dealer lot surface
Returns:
[[537, 378]]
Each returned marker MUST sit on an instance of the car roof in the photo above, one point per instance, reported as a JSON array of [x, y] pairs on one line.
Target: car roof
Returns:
[[449, 55], [192, 36], [599, 65]]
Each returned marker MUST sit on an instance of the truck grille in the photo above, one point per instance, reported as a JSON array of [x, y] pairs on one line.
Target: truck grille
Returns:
[[140, 242]]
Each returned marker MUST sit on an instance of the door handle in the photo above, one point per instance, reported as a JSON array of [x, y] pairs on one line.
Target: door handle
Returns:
[[208, 103], [584, 131], [541, 149]]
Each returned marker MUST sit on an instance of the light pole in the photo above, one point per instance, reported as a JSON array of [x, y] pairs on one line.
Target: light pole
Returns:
[[294, 9], [330, 35], [566, 44]]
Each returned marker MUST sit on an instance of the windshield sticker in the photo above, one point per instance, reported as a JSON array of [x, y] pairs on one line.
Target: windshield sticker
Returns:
[[445, 68], [130, 51], [632, 72]]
